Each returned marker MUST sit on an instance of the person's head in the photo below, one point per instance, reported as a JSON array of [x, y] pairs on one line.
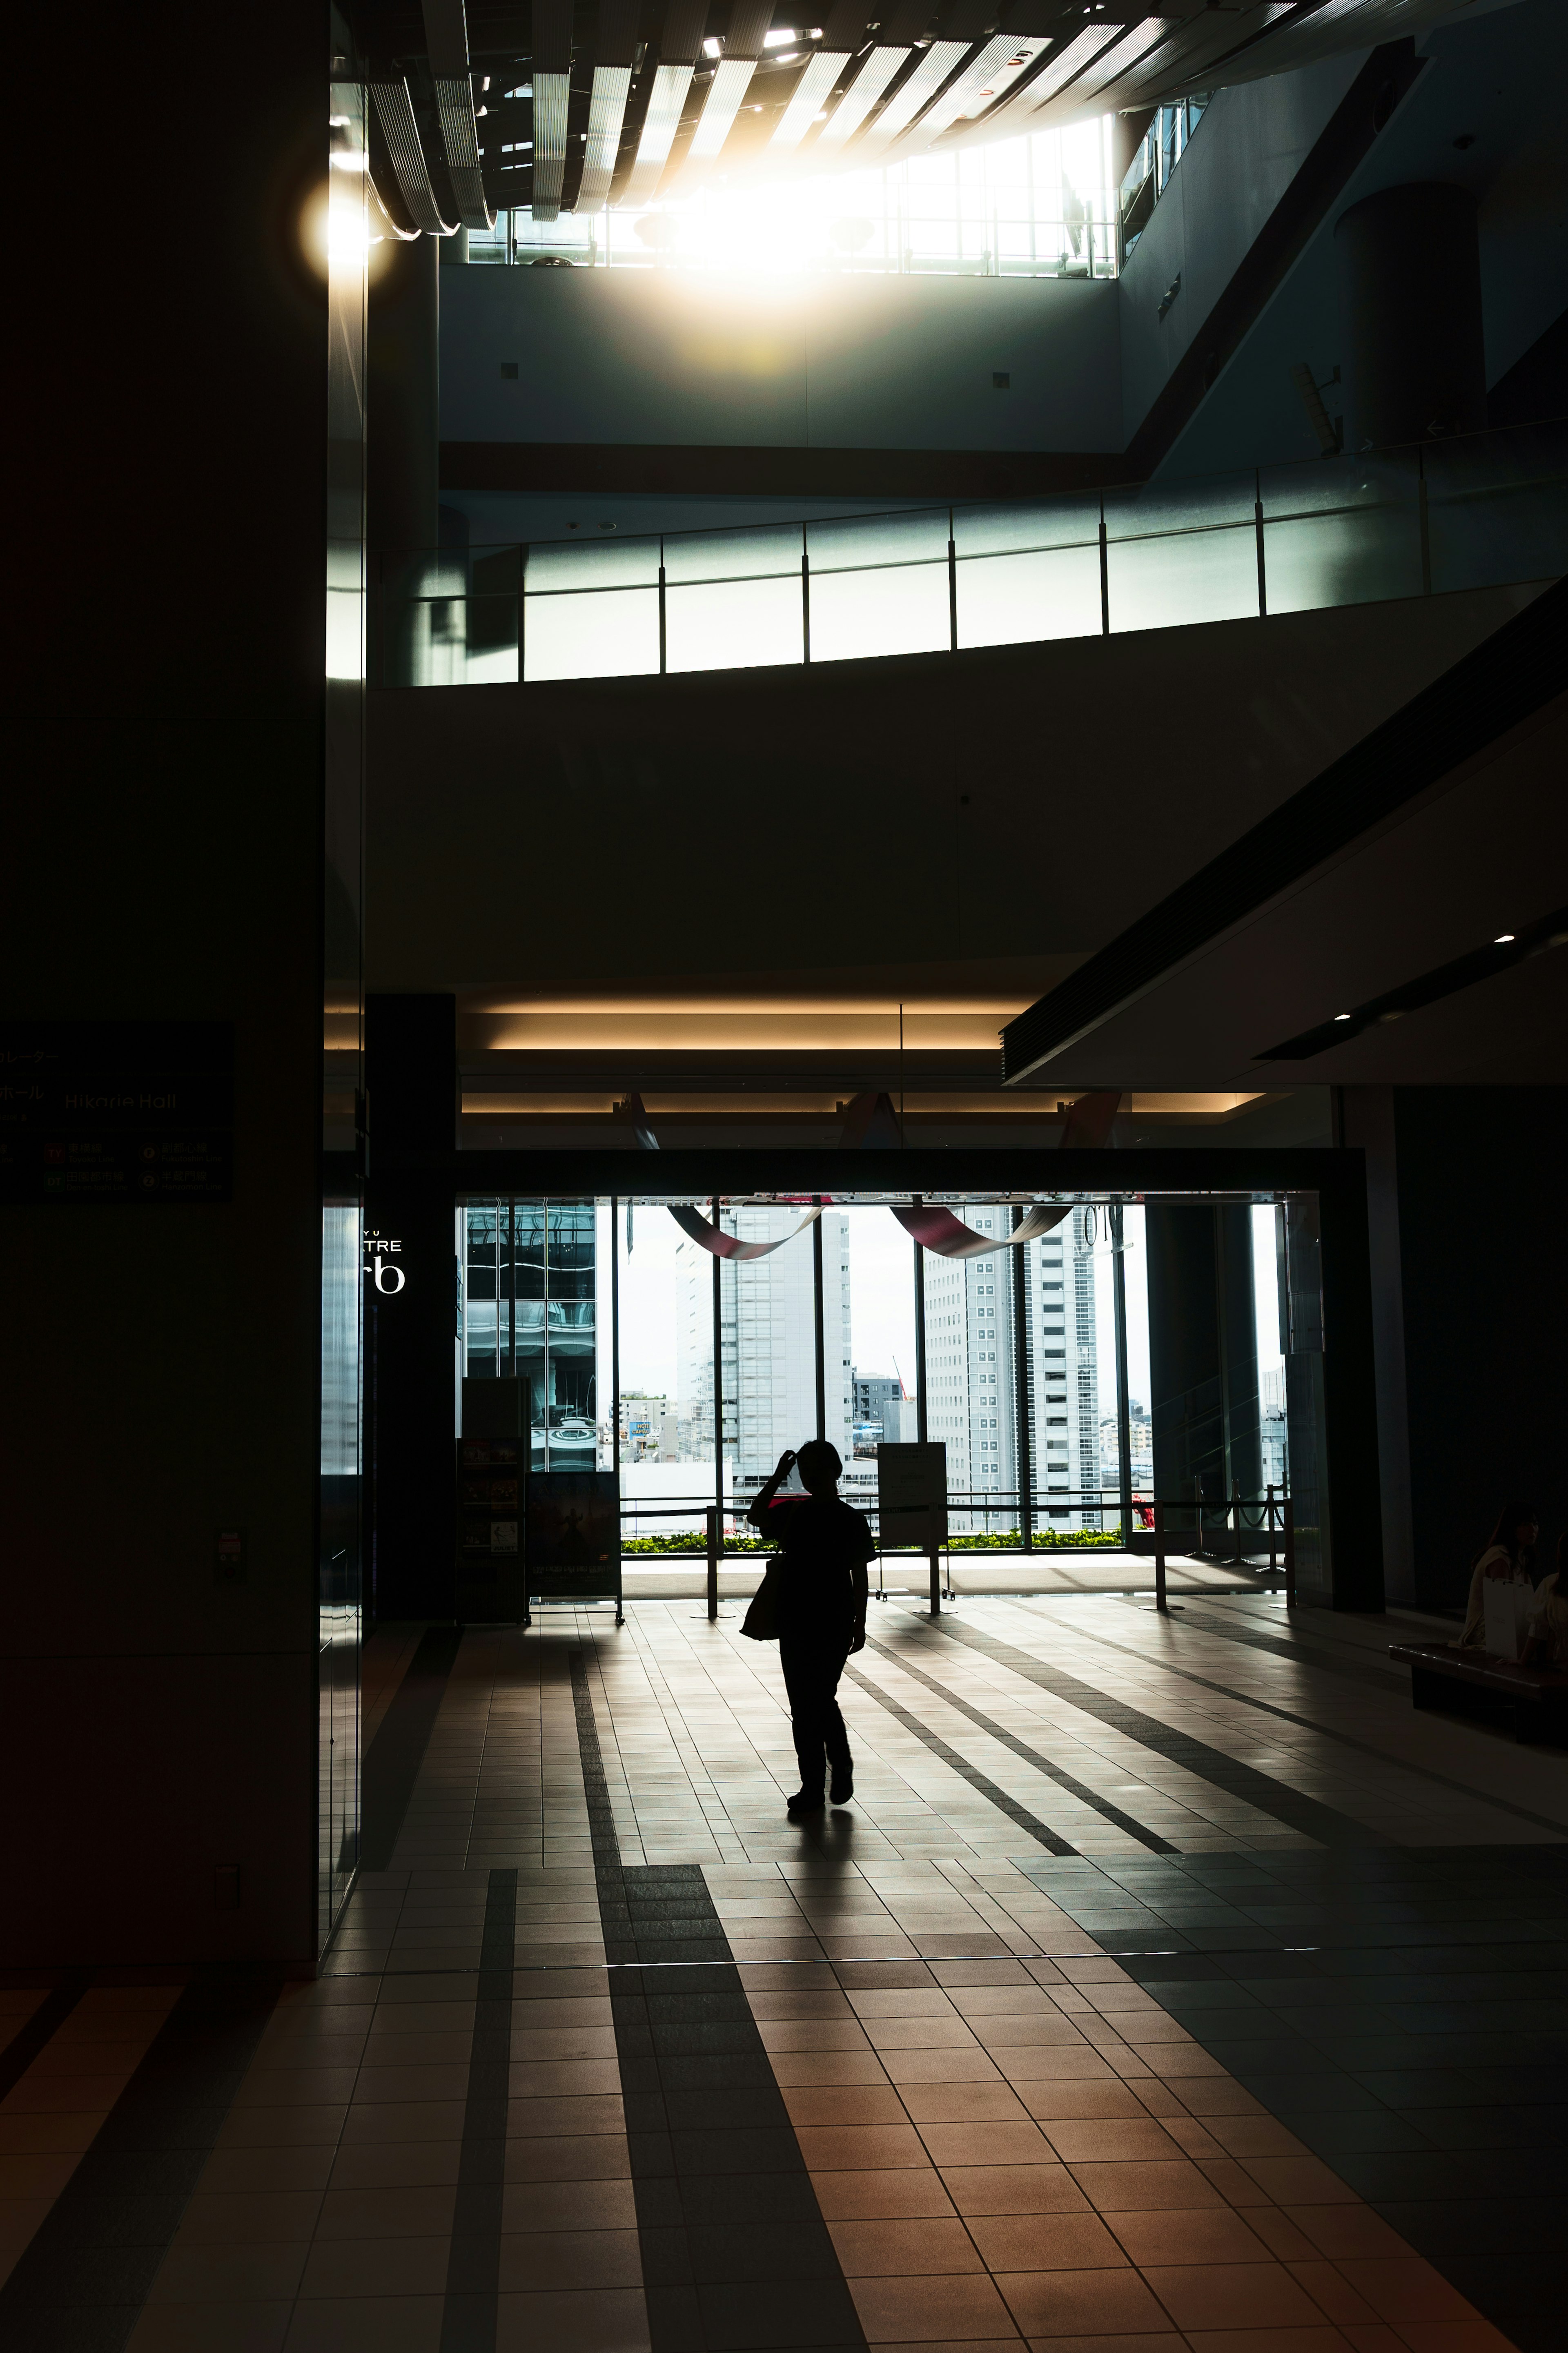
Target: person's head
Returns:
[[1517, 1525], [819, 1465]]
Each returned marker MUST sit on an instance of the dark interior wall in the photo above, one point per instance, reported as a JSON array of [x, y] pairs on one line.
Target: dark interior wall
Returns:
[[411, 1065], [164, 734], [905, 794], [1482, 1269]]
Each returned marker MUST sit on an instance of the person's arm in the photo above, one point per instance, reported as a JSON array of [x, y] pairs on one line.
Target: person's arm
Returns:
[[765, 1495], [862, 1594]]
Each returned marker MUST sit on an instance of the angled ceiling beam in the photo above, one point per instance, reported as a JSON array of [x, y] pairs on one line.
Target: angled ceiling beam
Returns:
[[861, 96], [394, 113], [812, 93], [615, 50], [1061, 67], [552, 79], [912, 96], [679, 47], [446, 40], [749, 20], [982, 81]]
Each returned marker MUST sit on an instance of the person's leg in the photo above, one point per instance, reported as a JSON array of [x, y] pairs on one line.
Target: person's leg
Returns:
[[807, 1691], [835, 1739]]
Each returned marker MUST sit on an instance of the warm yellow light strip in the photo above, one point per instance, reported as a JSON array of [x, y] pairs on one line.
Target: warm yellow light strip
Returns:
[[808, 1030], [496, 1104], [1003, 1008]]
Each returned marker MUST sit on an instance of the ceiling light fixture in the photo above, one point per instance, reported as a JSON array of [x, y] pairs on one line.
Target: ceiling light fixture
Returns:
[[1502, 939], [1341, 1017]]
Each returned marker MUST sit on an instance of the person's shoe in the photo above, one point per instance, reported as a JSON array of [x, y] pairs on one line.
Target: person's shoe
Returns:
[[804, 1801], [843, 1788]]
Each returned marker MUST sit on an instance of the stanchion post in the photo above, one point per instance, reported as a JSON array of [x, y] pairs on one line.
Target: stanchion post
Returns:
[[1160, 1558], [714, 1540], [1273, 1547], [935, 1579], [1289, 1553], [1236, 1498]]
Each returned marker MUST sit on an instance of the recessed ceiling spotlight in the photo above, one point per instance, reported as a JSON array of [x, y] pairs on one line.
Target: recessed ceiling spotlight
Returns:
[[1502, 939], [1341, 1017]]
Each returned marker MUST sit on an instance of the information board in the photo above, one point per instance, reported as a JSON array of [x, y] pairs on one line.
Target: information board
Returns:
[[573, 1536], [98, 1112], [912, 1495]]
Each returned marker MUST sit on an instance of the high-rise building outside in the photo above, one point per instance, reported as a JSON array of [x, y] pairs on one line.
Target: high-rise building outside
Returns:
[[769, 1342], [973, 1401]]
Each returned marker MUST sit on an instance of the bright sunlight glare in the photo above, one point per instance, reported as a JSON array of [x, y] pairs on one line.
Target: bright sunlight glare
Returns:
[[1040, 205]]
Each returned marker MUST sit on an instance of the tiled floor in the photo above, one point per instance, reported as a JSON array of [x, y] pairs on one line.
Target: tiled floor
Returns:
[[1169, 1984]]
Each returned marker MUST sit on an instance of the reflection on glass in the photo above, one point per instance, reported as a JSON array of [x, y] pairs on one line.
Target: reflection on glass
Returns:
[[1344, 532], [1180, 554], [338, 1678]]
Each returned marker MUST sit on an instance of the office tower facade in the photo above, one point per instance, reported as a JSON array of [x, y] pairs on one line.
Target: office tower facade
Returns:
[[972, 1370], [768, 1332]]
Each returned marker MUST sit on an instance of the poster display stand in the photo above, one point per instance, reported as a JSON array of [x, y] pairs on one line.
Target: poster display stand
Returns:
[[912, 1504], [572, 1551]]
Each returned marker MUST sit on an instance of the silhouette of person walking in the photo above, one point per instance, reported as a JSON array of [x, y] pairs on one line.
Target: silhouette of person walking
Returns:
[[824, 1547]]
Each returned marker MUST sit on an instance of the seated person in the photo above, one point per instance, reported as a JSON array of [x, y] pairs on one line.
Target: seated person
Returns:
[[1508, 1558], [1549, 1619]]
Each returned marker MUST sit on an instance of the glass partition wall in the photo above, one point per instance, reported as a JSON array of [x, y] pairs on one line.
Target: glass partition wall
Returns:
[[1141, 1352]]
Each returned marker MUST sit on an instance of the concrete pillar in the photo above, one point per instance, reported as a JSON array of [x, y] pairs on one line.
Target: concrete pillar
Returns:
[[1412, 352], [403, 420], [1186, 1405]]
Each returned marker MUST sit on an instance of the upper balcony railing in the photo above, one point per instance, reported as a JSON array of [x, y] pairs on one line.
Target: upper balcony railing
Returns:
[[1481, 510]]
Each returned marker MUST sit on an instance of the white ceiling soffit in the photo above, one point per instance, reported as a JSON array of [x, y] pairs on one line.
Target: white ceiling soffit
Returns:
[[731, 80], [395, 112], [905, 102], [551, 95], [812, 93], [446, 40], [861, 96], [670, 84], [998, 64], [606, 111]]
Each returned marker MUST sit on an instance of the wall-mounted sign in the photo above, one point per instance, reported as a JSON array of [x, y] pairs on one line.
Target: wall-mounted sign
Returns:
[[116, 1110], [384, 1263]]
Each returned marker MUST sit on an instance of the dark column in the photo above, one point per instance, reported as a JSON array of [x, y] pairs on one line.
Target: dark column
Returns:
[[1186, 1407], [1469, 1260], [404, 453], [159, 1367], [1412, 352], [1239, 1350], [411, 1326]]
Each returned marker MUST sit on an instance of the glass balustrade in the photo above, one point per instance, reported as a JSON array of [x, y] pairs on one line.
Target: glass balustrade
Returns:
[[1477, 512]]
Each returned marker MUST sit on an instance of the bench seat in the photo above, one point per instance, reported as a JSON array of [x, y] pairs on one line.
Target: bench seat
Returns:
[[1533, 1700]]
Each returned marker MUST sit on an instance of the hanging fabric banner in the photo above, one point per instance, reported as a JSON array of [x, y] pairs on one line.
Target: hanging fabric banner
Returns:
[[1087, 1128], [711, 1238], [949, 1237]]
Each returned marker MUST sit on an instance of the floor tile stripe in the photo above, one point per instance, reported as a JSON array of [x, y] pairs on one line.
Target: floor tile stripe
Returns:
[[735, 2253], [1270, 1797], [82, 2283], [1079, 1790], [394, 1757], [1052, 1840], [1320, 1730], [36, 2031], [470, 2311]]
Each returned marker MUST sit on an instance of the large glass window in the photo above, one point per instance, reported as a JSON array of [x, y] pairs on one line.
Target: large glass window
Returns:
[[1133, 1352], [1038, 207]]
